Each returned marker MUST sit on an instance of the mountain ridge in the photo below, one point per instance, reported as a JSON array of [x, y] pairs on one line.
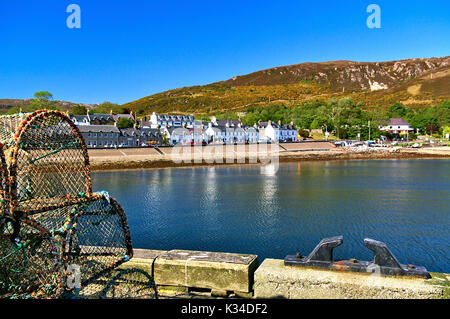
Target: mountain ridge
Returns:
[[413, 82]]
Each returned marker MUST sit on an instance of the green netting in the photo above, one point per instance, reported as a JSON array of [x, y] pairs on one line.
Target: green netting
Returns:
[[56, 236]]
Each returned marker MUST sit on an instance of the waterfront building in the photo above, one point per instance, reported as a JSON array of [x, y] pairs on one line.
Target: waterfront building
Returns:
[[162, 120], [80, 119], [133, 137], [268, 131], [100, 136], [106, 136], [397, 126], [101, 119], [287, 132]]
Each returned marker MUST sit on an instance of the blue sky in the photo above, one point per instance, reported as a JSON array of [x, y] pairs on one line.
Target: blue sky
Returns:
[[126, 50]]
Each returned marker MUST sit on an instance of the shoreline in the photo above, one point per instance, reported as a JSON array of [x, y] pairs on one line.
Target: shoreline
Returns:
[[105, 162]]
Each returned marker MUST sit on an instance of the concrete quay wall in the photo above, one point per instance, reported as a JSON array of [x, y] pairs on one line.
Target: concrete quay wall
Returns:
[[240, 275]]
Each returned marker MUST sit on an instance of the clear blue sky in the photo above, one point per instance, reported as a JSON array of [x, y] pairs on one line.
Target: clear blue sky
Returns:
[[126, 50]]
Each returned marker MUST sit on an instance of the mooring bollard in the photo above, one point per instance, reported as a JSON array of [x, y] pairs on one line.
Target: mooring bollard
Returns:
[[384, 261]]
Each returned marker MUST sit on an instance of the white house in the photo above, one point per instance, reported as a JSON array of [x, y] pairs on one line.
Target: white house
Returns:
[[269, 131], [397, 126], [162, 120]]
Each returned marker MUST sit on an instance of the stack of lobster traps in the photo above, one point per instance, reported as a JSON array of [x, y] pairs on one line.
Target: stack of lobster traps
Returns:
[[56, 235]]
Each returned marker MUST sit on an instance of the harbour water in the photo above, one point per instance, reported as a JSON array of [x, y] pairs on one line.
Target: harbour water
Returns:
[[272, 213]]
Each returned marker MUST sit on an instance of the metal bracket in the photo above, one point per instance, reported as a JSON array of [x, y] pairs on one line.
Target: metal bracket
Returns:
[[384, 262]]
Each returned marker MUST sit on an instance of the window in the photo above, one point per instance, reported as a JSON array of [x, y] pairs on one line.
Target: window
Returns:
[[95, 134], [111, 135], [99, 143], [89, 134]]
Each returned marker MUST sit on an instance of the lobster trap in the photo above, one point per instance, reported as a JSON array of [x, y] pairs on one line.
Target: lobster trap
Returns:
[[50, 220]]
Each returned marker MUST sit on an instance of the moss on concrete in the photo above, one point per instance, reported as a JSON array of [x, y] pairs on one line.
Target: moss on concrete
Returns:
[[441, 280], [228, 272], [274, 280]]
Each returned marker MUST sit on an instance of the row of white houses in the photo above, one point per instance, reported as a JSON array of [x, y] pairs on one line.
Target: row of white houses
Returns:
[[231, 131], [100, 130]]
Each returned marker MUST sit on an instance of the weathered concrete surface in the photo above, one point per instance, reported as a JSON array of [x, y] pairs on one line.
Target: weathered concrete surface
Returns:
[[143, 259], [274, 280], [217, 271]]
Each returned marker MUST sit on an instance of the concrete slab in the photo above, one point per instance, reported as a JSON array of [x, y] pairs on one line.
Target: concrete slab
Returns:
[[274, 280], [210, 270], [143, 259]]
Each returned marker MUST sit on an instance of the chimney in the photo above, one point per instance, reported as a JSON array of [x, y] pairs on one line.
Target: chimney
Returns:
[[111, 112], [279, 122]]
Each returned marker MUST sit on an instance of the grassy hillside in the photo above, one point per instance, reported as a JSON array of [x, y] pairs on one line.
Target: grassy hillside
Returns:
[[415, 83]]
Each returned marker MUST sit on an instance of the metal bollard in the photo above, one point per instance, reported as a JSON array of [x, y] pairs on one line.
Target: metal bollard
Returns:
[[384, 261]]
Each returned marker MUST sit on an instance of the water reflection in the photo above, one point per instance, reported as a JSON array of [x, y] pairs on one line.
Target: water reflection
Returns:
[[257, 209]]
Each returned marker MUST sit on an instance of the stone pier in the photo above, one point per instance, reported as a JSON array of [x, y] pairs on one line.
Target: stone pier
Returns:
[[225, 274]]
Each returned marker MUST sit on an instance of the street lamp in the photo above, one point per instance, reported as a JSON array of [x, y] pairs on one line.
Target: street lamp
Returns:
[[326, 131]]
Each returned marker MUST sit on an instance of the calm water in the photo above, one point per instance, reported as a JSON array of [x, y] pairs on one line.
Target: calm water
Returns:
[[249, 209]]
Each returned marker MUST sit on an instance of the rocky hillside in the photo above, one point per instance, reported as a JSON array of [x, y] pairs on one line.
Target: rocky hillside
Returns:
[[414, 82], [345, 75]]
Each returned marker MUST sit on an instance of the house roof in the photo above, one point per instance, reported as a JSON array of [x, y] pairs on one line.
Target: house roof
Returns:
[[287, 127], [398, 121], [101, 117], [79, 118], [119, 116], [145, 123], [98, 128], [229, 122], [167, 117]]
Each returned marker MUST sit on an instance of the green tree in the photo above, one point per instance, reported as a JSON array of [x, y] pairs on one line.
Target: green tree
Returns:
[[125, 123], [43, 100], [396, 110], [107, 107], [78, 110], [446, 131], [303, 133]]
